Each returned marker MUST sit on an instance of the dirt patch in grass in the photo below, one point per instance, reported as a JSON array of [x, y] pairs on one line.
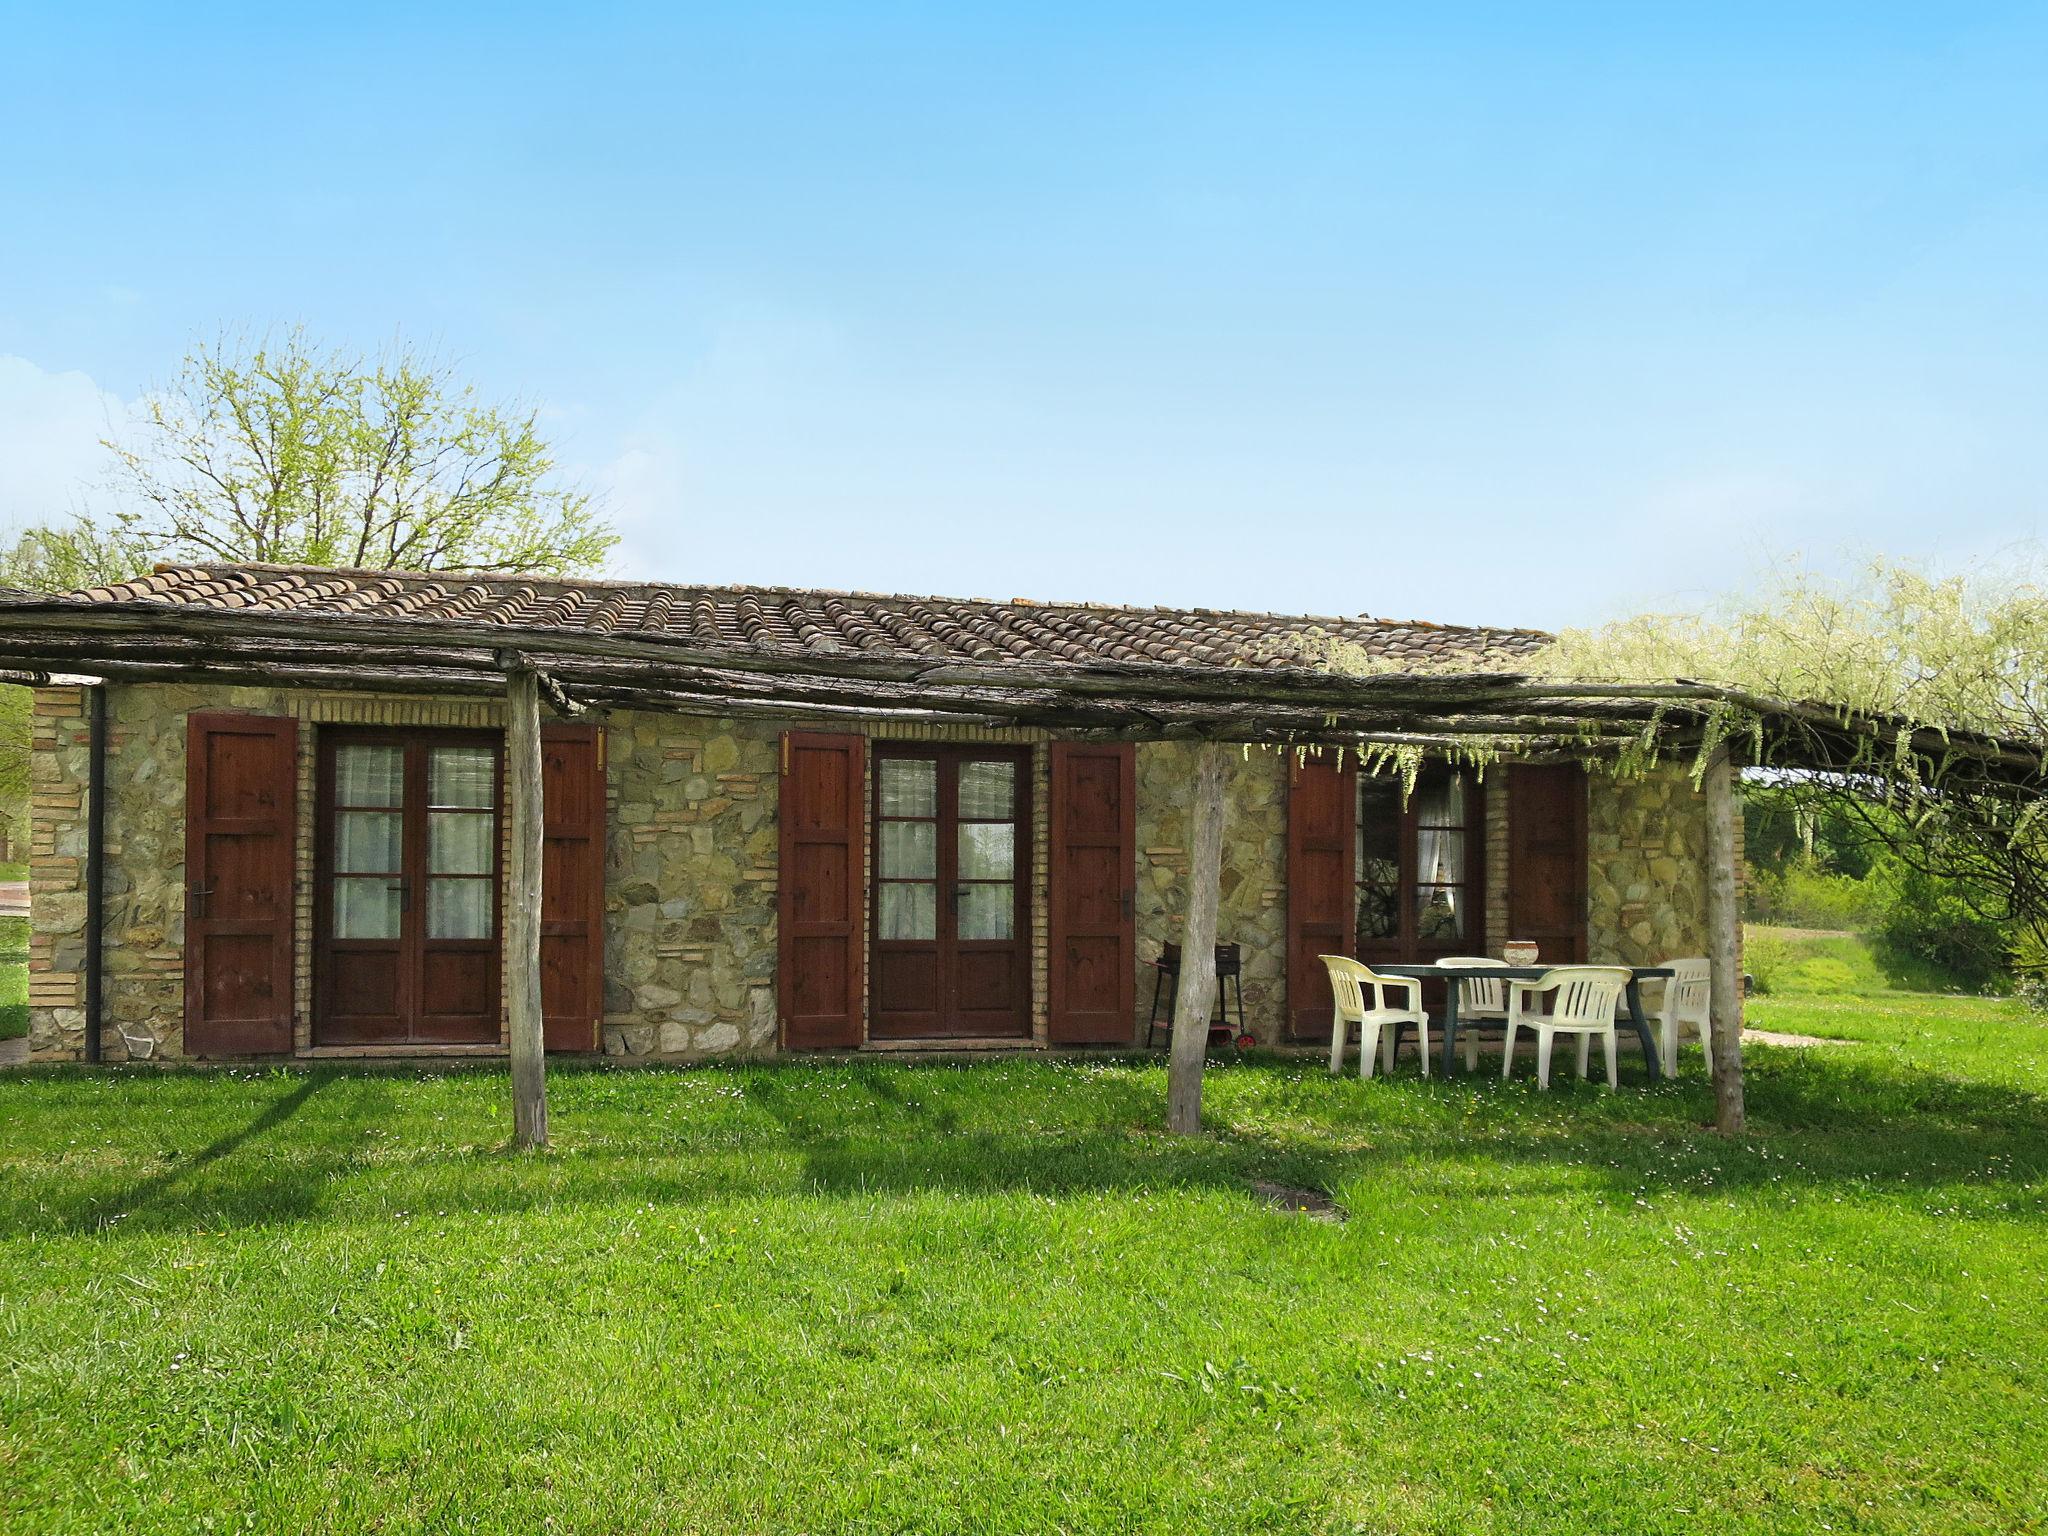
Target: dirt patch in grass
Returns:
[[1778, 1037], [1311, 1203]]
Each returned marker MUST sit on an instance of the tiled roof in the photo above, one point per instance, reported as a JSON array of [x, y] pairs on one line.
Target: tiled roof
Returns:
[[813, 622]]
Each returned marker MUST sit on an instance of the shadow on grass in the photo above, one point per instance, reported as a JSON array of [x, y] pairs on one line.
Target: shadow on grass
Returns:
[[241, 1178], [338, 1143]]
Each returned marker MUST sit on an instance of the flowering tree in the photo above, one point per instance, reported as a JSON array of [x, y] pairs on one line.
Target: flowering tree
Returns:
[[1913, 706]]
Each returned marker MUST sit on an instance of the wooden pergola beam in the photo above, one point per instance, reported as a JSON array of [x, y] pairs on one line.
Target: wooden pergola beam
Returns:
[[1288, 705]]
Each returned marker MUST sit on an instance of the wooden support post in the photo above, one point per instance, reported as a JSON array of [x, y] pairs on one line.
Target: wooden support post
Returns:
[[522, 910], [1197, 987], [1724, 940]]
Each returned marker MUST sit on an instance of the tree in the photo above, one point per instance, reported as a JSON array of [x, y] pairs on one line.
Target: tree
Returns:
[[72, 556], [302, 455], [1917, 719]]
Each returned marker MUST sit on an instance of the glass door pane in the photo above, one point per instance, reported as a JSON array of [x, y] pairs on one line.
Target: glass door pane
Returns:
[[1379, 860], [907, 849], [369, 841], [1440, 882], [985, 851], [462, 841]]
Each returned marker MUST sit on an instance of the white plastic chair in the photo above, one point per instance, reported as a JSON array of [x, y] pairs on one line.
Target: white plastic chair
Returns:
[[1379, 1025], [1687, 999], [1583, 1004], [1480, 1001]]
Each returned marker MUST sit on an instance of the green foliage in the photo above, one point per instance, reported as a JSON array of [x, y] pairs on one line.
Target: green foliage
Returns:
[[1926, 926], [288, 452], [1799, 962], [13, 977], [15, 706], [72, 556], [2030, 966], [1955, 653], [1783, 826], [1799, 895], [1871, 697], [1812, 866], [1766, 955]]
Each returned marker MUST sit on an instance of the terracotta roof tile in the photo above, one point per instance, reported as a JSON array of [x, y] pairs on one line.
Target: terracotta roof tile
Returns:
[[782, 618]]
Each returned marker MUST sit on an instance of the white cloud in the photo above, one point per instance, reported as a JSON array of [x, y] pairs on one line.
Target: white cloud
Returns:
[[51, 425]]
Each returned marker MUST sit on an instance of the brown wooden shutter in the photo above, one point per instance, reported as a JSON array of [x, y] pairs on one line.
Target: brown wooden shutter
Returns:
[[1091, 889], [1547, 859], [818, 884], [572, 785], [241, 823], [1322, 889]]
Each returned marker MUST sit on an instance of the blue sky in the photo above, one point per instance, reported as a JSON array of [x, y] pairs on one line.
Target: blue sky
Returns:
[[1528, 313]]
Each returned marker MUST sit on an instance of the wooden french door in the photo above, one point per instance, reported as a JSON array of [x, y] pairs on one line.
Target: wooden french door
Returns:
[[1381, 875], [950, 879], [407, 877], [1421, 866]]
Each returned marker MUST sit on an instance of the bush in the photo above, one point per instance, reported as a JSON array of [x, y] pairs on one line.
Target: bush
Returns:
[[1926, 931], [2030, 967], [1767, 957], [1802, 894], [1814, 898]]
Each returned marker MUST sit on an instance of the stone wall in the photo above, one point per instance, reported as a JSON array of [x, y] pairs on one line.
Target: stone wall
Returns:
[[1646, 870], [690, 877], [691, 933], [690, 892], [1252, 910], [690, 917], [56, 862], [144, 888], [690, 887]]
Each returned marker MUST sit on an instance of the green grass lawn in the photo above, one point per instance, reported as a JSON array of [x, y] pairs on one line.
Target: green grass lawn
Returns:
[[13, 977], [881, 1297], [1813, 962]]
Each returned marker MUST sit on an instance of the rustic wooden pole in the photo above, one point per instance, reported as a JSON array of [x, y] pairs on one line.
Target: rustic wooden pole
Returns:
[[1724, 938], [522, 910], [1197, 988]]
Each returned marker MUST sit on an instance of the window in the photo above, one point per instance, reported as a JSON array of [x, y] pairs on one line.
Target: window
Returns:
[[1418, 864]]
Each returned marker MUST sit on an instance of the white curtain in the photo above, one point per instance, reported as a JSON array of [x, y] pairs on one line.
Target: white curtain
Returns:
[[1440, 840]]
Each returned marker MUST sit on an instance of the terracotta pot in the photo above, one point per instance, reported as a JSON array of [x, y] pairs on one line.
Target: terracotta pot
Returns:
[[1519, 952]]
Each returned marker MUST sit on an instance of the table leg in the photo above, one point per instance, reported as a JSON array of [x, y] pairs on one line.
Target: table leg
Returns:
[[1635, 1013], [1450, 1025]]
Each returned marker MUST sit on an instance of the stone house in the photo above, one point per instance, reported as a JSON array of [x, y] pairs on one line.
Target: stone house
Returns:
[[784, 820]]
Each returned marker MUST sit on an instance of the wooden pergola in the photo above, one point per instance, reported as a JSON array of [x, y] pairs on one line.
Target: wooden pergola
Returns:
[[583, 669]]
